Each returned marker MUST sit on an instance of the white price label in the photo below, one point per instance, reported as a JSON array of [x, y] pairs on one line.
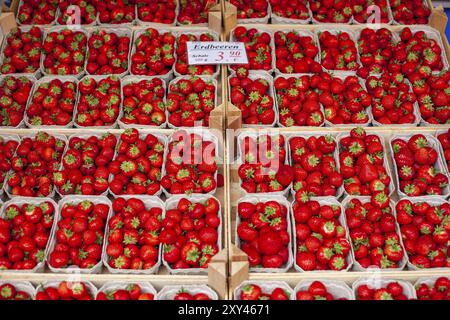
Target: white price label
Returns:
[[201, 53]]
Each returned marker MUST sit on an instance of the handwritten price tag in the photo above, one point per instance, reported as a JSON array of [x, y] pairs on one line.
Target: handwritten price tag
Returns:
[[201, 53]]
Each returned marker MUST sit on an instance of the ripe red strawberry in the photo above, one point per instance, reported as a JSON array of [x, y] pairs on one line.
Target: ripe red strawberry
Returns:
[[410, 11], [247, 9], [190, 165], [338, 51], [33, 165], [425, 232], [182, 66], [321, 240], [362, 11], [392, 99], [296, 52], [263, 232], [338, 11], [116, 11], [132, 241], [79, 237], [22, 52], [257, 46], [271, 291], [14, 93], [190, 235], [315, 165], [66, 290], [143, 102], [190, 101], [52, 102], [153, 53], [298, 100], [290, 9], [433, 289], [12, 291], [157, 11], [137, 165], [88, 11], [64, 52], [254, 97], [108, 52], [99, 101], [125, 291], [318, 290], [382, 291], [37, 12], [194, 11]]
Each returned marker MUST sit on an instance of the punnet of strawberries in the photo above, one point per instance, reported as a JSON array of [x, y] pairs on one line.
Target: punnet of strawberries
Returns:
[[87, 9], [79, 235], [137, 166], [318, 290], [52, 102], [85, 165], [37, 12], [116, 11], [186, 294], [8, 146], [251, 9], [363, 11], [290, 9], [314, 161], [362, 163], [391, 291], [14, 93], [143, 102], [127, 291], [190, 100], [299, 99], [99, 101], [424, 227], [65, 290], [264, 167], [253, 95], [338, 51], [264, 232], [444, 140], [434, 289], [373, 232], [157, 11], [190, 232], [191, 165], [64, 52], [194, 11], [410, 11], [10, 291], [22, 51], [133, 234], [331, 11], [24, 233], [321, 239], [108, 52], [419, 167], [255, 292], [36, 159], [182, 66]]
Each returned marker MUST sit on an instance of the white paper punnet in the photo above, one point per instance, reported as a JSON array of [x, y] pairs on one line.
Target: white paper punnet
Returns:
[[55, 283], [169, 292], [146, 287], [266, 287], [24, 286], [376, 282], [338, 289]]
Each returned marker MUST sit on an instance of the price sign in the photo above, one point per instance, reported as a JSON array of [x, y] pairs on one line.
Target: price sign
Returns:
[[201, 53]]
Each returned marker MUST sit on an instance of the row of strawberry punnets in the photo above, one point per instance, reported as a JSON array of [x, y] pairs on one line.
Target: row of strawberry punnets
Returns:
[[85, 290]]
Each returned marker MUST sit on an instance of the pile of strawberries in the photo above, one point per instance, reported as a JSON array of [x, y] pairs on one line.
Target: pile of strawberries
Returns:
[[375, 240], [191, 165], [37, 12], [116, 11], [254, 97], [251, 9], [254, 292], [85, 165], [22, 51], [410, 11], [299, 100], [24, 234], [133, 236], [314, 164], [190, 232], [338, 51], [321, 240], [391, 291], [52, 103], [182, 66], [263, 168], [99, 101], [8, 147], [296, 53], [361, 160], [108, 52], [363, 11], [264, 233], [417, 166], [185, 294], [8, 291], [157, 11], [290, 9], [439, 290], [65, 290], [79, 235], [136, 168], [317, 290], [257, 46], [425, 231], [190, 101], [35, 161], [14, 92], [194, 11], [88, 11], [143, 102], [132, 291], [326, 11]]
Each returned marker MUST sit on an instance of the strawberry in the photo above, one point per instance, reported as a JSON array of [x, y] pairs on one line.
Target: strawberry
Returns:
[[182, 66], [410, 11], [14, 91], [37, 12], [116, 11], [157, 11], [345, 57], [296, 9]]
